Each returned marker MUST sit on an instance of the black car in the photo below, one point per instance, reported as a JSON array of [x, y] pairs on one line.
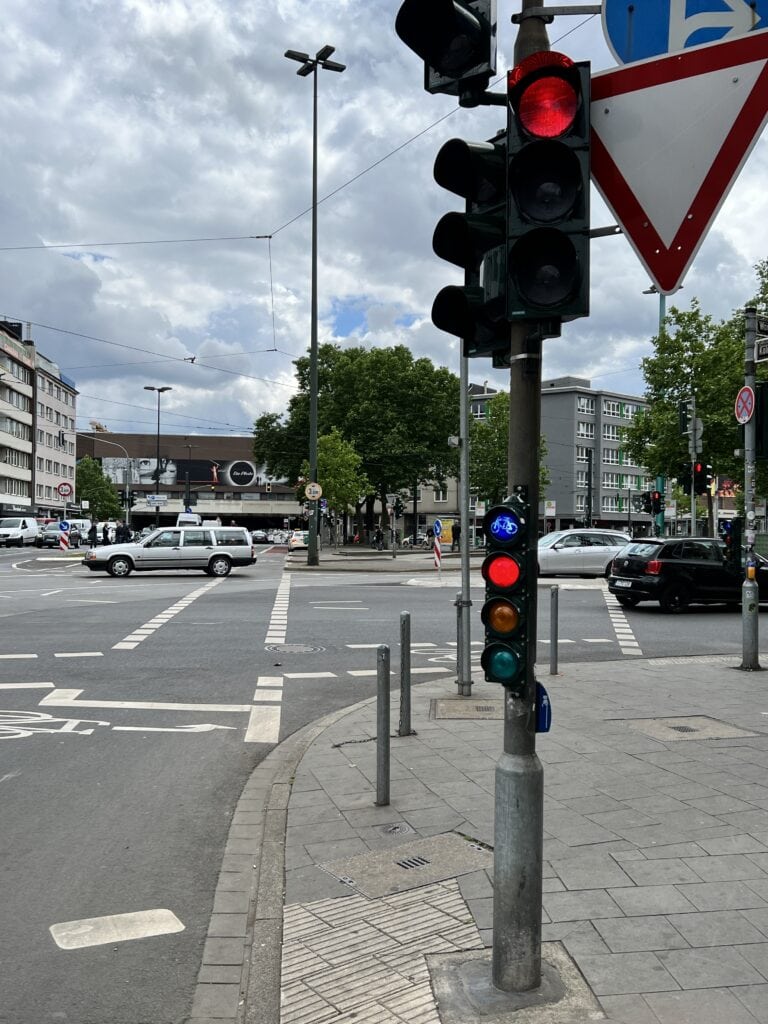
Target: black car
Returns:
[[678, 571]]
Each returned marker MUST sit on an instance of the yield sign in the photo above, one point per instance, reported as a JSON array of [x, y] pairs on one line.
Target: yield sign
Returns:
[[669, 137]]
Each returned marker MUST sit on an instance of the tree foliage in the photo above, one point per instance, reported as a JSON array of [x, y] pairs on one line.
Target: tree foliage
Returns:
[[488, 446], [338, 466], [695, 356], [395, 411], [97, 489]]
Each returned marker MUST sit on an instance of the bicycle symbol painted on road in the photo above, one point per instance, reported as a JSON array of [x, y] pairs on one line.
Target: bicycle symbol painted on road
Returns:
[[16, 725]]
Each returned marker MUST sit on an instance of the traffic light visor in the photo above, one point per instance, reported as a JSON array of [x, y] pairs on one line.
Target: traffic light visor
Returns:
[[502, 525], [545, 181], [501, 570], [544, 94], [501, 663], [547, 267]]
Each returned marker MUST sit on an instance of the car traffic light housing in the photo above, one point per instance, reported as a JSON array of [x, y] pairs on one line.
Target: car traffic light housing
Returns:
[[731, 531], [702, 477], [509, 576], [548, 133], [456, 39], [685, 477], [474, 240], [657, 502], [647, 504]]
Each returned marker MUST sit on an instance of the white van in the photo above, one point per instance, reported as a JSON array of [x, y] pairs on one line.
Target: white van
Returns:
[[188, 519], [18, 530]]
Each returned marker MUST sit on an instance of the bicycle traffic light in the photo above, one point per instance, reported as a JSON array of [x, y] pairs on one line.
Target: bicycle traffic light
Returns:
[[509, 574], [456, 39], [731, 532], [474, 240], [548, 133]]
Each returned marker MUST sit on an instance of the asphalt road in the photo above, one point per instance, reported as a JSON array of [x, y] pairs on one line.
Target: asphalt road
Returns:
[[133, 711]]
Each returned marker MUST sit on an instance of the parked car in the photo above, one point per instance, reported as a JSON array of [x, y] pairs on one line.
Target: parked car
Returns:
[[18, 531], [50, 535], [298, 539], [214, 550], [587, 552], [260, 537], [679, 571]]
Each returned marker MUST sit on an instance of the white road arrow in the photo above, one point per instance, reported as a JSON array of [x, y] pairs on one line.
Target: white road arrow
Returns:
[[203, 727], [738, 19]]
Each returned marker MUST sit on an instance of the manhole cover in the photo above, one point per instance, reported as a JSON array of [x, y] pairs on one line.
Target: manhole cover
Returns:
[[488, 708], [695, 727], [293, 649], [382, 872]]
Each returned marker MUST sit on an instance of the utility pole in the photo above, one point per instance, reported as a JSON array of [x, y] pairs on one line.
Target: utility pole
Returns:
[[750, 598]]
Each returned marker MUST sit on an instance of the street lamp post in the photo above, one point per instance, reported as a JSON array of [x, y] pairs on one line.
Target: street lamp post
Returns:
[[309, 66], [126, 470], [151, 387]]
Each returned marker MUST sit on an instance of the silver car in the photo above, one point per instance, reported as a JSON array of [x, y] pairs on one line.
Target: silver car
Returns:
[[213, 549], [587, 552]]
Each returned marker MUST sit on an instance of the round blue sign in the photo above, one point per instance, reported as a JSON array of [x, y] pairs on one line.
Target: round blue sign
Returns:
[[437, 526], [64, 526]]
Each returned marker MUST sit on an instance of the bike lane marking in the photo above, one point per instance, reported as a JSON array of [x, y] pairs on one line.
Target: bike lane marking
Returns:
[[135, 637], [99, 931]]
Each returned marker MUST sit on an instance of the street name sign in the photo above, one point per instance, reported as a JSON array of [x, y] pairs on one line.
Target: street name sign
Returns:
[[654, 27], [669, 137]]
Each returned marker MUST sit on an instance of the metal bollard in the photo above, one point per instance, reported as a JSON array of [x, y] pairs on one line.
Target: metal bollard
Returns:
[[405, 675], [554, 599], [382, 725]]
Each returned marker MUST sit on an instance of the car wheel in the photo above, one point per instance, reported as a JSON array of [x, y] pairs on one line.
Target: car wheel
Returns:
[[119, 567], [674, 599], [628, 602], [219, 566]]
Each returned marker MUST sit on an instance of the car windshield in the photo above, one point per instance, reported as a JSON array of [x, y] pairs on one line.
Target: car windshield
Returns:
[[548, 540], [10, 524]]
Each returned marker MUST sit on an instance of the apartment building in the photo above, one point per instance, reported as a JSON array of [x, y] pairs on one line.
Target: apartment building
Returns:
[[55, 405], [17, 375]]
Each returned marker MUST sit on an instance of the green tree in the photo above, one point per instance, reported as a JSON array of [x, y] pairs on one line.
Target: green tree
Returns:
[[96, 488], [338, 467], [488, 444], [397, 412]]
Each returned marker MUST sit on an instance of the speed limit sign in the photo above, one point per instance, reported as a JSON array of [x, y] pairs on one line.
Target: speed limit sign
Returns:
[[65, 489], [313, 491]]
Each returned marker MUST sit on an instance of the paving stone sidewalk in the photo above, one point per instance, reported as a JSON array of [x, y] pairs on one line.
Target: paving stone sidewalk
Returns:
[[655, 847]]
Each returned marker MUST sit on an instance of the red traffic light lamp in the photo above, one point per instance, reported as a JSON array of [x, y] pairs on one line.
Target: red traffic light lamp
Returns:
[[548, 139]]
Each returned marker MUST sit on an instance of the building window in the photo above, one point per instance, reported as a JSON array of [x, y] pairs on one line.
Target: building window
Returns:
[[39, 490], [611, 457], [441, 495], [611, 408], [581, 502], [581, 477], [612, 480], [584, 429], [610, 503], [581, 453], [611, 432], [585, 405]]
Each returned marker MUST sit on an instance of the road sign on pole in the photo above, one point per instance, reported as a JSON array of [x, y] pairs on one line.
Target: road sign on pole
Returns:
[[745, 405], [637, 31], [669, 137]]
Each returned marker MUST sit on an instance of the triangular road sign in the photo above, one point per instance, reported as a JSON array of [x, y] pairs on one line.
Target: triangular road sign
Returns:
[[669, 137]]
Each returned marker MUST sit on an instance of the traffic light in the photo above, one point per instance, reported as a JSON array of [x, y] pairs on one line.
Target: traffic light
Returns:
[[685, 477], [731, 532], [509, 576], [456, 39], [474, 240], [268, 487], [702, 477], [657, 502], [683, 414], [548, 134], [647, 505], [399, 508]]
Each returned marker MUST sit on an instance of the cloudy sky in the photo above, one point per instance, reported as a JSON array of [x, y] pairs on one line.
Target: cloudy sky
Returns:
[[156, 185]]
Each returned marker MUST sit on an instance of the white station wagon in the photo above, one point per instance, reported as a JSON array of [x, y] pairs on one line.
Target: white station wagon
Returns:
[[212, 549]]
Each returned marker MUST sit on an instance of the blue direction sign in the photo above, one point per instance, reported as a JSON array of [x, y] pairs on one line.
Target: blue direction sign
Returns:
[[655, 27]]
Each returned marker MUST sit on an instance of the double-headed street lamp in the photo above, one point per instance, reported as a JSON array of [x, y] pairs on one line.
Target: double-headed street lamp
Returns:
[[309, 65], [151, 387]]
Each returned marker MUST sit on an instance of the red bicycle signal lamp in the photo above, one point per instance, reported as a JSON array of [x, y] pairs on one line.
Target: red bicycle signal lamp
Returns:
[[543, 94], [501, 570]]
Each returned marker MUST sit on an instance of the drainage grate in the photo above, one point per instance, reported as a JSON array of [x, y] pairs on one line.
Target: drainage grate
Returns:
[[293, 649], [412, 862], [461, 708], [398, 828], [686, 727], [683, 728]]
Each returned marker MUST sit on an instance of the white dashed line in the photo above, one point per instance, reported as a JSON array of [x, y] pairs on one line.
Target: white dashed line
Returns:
[[624, 635]]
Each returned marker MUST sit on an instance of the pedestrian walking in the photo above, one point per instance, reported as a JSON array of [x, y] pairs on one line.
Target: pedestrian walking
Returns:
[[378, 539], [456, 537], [93, 535], [105, 534]]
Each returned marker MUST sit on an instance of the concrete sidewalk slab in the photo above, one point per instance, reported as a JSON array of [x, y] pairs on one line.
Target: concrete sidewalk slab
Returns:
[[656, 852]]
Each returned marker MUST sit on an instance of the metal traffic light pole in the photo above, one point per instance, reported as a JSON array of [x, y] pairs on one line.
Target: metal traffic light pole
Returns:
[[519, 796], [750, 600]]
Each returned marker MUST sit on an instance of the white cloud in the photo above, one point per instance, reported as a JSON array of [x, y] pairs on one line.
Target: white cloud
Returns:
[[181, 119]]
